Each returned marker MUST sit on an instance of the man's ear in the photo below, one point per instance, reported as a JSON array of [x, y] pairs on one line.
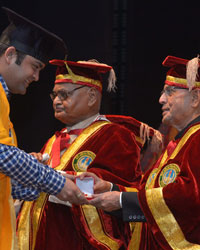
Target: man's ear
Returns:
[[10, 54], [92, 94], [195, 97]]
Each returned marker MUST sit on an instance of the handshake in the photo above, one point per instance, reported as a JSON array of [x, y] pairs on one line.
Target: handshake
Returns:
[[80, 189], [86, 188]]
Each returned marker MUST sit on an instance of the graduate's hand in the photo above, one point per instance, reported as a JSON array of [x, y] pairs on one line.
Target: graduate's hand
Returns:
[[72, 193], [108, 201], [38, 156], [100, 185], [67, 175]]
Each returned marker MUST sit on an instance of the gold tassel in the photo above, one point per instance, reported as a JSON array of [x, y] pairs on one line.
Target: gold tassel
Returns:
[[112, 81], [144, 132], [157, 139], [192, 72]]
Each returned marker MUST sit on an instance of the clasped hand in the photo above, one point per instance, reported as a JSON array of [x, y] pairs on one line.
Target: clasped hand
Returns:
[[103, 197]]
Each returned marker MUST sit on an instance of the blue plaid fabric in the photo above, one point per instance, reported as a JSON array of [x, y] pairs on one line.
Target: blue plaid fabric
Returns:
[[5, 87], [21, 192], [26, 170]]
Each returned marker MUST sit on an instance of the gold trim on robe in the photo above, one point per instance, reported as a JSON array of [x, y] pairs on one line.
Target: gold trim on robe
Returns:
[[160, 211], [39, 204], [134, 243]]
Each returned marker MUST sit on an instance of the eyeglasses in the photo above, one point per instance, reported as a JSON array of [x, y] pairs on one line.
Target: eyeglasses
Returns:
[[170, 90], [62, 94]]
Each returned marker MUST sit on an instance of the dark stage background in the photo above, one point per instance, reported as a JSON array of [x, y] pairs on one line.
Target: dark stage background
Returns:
[[132, 36]]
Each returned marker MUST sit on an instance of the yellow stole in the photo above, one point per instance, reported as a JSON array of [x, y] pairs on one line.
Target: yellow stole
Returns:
[[159, 209], [32, 211], [8, 239]]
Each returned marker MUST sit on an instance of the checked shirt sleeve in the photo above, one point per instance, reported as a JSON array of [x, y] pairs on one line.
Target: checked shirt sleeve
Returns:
[[26, 170], [21, 192]]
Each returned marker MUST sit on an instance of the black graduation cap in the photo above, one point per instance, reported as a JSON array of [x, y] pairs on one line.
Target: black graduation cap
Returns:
[[32, 39]]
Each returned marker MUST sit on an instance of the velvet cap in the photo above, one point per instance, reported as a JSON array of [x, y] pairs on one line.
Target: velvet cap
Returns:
[[182, 73], [32, 39], [86, 73]]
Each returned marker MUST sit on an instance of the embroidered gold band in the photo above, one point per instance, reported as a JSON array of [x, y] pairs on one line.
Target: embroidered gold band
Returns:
[[140, 140], [130, 189], [95, 225], [167, 222], [78, 78], [134, 243], [181, 81]]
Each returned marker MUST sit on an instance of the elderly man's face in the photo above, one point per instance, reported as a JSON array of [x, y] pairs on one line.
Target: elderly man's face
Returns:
[[70, 105], [176, 106]]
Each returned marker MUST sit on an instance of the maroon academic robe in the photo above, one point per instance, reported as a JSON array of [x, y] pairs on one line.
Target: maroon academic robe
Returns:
[[170, 197], [106, 149]]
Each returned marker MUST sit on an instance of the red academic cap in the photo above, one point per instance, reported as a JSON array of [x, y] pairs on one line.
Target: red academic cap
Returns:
[[31, 39], [182, 73], [84, 73]]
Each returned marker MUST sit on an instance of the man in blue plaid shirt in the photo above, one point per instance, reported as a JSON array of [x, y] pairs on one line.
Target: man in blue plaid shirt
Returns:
[[25, 49]]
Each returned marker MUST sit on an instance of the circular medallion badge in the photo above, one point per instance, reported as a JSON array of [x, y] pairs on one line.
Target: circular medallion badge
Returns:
[[168, 174], [82, 160], [150, 183]]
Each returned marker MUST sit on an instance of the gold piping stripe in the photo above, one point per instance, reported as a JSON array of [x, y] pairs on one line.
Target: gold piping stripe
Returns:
[[95, 225], [134, 243], [135, 227], [180, 80], [139, 139], [77, 78], [38, 207], [130, 189], [24, 225], [160, 211]]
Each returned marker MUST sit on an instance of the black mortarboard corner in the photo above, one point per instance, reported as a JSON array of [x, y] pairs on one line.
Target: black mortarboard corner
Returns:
[[31, 39]]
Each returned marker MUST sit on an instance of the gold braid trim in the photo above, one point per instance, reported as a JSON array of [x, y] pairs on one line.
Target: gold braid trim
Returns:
[[134, 243], [95, 225], [167, 222], [77, 78], [180, 81]]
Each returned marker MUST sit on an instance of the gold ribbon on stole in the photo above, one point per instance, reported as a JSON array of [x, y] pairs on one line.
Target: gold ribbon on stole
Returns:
[[95, 225], [134, 243], [160, 211], [37, 209]]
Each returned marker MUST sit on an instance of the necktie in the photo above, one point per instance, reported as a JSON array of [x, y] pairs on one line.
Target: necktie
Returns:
[[61, 143]]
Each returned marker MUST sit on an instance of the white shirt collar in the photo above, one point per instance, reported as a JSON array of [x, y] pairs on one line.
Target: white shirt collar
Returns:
[[85, 123]]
